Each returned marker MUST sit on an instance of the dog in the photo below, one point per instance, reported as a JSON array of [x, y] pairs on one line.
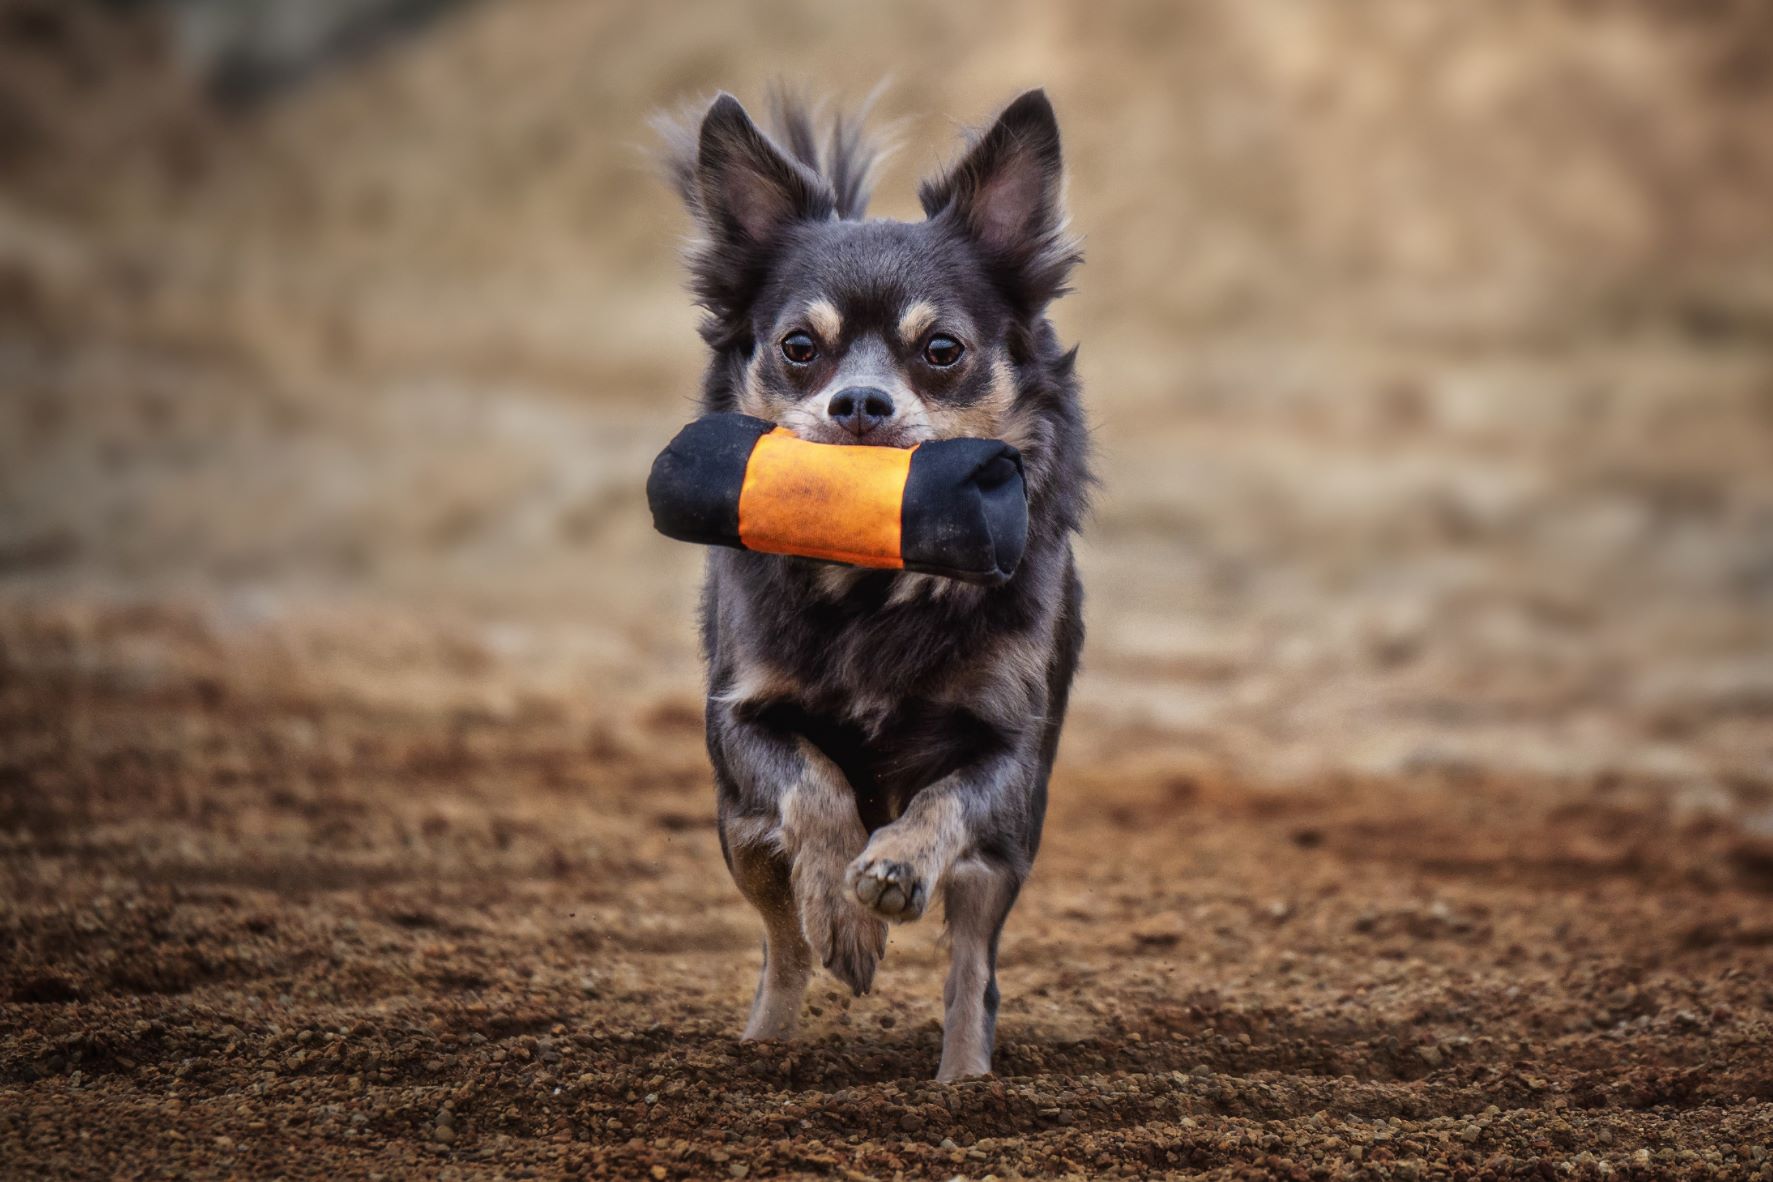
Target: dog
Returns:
[[884, 739]]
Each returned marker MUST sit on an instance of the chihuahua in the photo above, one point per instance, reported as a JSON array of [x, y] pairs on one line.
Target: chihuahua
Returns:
[[884, 739]]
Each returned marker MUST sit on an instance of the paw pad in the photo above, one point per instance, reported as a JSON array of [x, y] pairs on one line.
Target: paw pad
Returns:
[[891, 889]]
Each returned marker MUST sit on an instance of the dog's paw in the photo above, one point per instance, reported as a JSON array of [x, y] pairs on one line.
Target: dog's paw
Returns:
[[846, 939], [889, 888], [956, 1071], [856, 944]]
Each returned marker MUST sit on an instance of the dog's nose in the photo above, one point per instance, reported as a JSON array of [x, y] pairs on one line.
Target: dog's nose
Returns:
[[860, 409]]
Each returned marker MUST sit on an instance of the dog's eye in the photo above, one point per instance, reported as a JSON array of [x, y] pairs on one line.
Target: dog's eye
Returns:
[[942, 351], [799, 347]]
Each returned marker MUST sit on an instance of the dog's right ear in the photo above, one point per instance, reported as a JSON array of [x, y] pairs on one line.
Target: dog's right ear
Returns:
[[744, 193], [747, 190]]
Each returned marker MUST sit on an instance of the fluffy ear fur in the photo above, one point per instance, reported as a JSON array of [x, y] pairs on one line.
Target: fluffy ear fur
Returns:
[[1006, 193], [849, 154], [745, 191]]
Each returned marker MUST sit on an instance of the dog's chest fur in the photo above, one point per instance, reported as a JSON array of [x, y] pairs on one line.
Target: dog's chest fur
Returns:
[[898, 678]]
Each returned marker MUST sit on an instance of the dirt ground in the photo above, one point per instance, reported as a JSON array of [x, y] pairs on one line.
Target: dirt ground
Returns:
[[269, 914], [1415, 819]]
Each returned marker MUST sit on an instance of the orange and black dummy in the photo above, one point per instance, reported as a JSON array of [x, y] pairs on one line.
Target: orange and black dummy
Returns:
[[951, 507]]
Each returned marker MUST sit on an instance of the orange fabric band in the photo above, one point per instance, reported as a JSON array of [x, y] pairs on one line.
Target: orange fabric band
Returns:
[[822, 500]]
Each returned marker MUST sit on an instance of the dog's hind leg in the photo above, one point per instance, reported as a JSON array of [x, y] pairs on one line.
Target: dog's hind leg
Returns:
[[762, 871], [976, 898]]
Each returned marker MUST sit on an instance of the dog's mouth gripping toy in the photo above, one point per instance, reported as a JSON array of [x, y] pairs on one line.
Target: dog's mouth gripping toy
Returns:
[[951, 507]]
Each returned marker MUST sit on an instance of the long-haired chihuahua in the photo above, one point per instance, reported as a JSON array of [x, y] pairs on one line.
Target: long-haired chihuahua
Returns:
[[881, 739]]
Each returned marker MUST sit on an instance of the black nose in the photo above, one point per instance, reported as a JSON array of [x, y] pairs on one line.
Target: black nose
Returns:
[[860, 409]]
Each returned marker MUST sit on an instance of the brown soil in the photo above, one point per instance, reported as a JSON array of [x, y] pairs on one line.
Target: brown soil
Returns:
[[1416, 814], [265, 917]]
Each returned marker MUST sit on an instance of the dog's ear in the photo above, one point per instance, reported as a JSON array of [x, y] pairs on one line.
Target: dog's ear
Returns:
[[1006, 193], [747, 190], [744, 193]]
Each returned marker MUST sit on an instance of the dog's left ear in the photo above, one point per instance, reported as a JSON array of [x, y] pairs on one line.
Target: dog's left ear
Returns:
[[1007, 194]]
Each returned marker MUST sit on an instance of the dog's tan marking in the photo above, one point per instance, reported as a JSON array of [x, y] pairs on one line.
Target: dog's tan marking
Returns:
[[826, 320], [910, 587], [753, 833], [756, 680], [1025, 430], [915, 321], [753, 399], [1016, 423], [836, 581], [989, 417]]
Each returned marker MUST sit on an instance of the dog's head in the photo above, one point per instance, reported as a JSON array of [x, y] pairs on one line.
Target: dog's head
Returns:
[[874, 332]]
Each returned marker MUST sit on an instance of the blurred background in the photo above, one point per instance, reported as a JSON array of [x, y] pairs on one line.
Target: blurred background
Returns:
[[1429, 349]]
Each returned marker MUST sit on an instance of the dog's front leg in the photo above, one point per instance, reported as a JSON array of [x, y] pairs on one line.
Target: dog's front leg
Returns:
[[791, 828], [986, 803], [969, 836], [976, 901], [823, 832]]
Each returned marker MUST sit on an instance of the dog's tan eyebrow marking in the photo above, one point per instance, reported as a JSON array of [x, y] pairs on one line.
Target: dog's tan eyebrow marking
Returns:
[[916, 320], [826, 320]]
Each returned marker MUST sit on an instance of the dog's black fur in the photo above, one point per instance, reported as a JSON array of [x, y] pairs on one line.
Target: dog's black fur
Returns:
[[879, 737]]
